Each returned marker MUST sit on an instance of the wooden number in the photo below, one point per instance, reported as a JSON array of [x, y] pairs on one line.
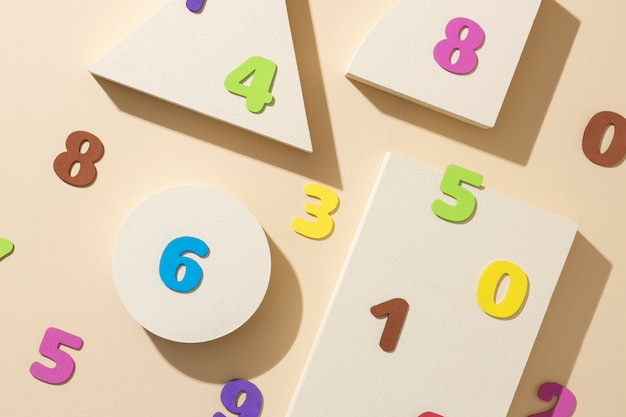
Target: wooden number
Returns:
[[594, 134], [258, 93], [64, 162], [565, 404], [466, 47], [453, 178], [323, 224], [395, 310]]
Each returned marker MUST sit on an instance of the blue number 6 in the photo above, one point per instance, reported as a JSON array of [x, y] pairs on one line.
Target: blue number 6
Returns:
[[172, 260]]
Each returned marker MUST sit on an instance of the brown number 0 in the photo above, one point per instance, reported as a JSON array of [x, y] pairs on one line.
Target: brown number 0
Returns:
[[64, 162], [395, 310], [594, 132]]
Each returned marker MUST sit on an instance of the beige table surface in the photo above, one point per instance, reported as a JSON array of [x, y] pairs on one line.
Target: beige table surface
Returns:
[[60, 272]]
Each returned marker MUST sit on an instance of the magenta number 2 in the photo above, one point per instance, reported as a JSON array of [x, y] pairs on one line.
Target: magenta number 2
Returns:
[[472, 36], [53, 338], [565, 404]]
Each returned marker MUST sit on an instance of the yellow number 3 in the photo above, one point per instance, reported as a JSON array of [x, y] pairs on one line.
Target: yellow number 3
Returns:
[[323, 225]]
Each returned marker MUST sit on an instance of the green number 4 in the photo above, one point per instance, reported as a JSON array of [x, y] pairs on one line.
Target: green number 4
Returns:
[[253, 80]]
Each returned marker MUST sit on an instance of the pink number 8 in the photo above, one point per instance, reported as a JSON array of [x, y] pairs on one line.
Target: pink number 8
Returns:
[[467, 60]]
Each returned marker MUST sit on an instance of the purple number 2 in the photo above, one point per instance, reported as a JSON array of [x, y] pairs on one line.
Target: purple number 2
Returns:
[[251, 405], [565, 404], [53, 338]]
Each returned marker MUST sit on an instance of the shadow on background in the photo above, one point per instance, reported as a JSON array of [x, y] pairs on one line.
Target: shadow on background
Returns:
[[527, 101], [321, 164], [563, 331], [256, 346]]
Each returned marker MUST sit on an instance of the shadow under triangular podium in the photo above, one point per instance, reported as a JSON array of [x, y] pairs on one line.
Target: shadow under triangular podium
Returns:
[[184, 58]]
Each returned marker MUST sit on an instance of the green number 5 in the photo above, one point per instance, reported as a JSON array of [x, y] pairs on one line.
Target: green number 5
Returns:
[[453, 178]]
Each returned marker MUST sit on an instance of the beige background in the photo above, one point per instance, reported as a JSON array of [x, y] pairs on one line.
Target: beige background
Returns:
[[60, 272]]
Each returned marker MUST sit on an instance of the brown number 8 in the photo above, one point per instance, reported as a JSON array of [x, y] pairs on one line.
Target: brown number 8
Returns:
[[64, 162]]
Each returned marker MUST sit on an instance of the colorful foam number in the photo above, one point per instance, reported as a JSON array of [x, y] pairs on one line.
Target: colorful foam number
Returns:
[[490, 281], [394, 311], [50, 348], [565, 403], [6, 247], [195, 5], [445, 50], [250, 406], [64, 163], [173, 260], [323, 224], [457, 57], [258, 94], [465, 202], [595, 134], [450, 353], [246, 50], [166, 277]]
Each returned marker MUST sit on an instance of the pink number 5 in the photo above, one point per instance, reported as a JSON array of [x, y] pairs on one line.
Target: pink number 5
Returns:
[[53, 338], [466, 47]]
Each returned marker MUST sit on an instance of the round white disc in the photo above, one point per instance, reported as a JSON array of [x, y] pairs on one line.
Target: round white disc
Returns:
[[235, 273]]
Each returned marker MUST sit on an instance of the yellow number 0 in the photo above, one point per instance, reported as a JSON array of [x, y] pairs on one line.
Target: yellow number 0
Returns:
[[488, 284], [323, 225]]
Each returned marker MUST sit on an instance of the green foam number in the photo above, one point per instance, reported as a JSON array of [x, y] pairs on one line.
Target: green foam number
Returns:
[[6, 247], [261, 72], [450, 185]]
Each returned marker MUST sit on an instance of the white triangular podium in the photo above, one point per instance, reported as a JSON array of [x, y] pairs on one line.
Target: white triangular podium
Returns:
[[184, 57]]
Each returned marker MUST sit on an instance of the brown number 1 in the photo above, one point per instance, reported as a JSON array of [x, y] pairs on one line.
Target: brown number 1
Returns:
[[395, 310]]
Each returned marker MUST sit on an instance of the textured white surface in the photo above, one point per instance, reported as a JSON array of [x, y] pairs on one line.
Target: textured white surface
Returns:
[[235, 273], [184, 57], [451, 357], [397, 55]]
